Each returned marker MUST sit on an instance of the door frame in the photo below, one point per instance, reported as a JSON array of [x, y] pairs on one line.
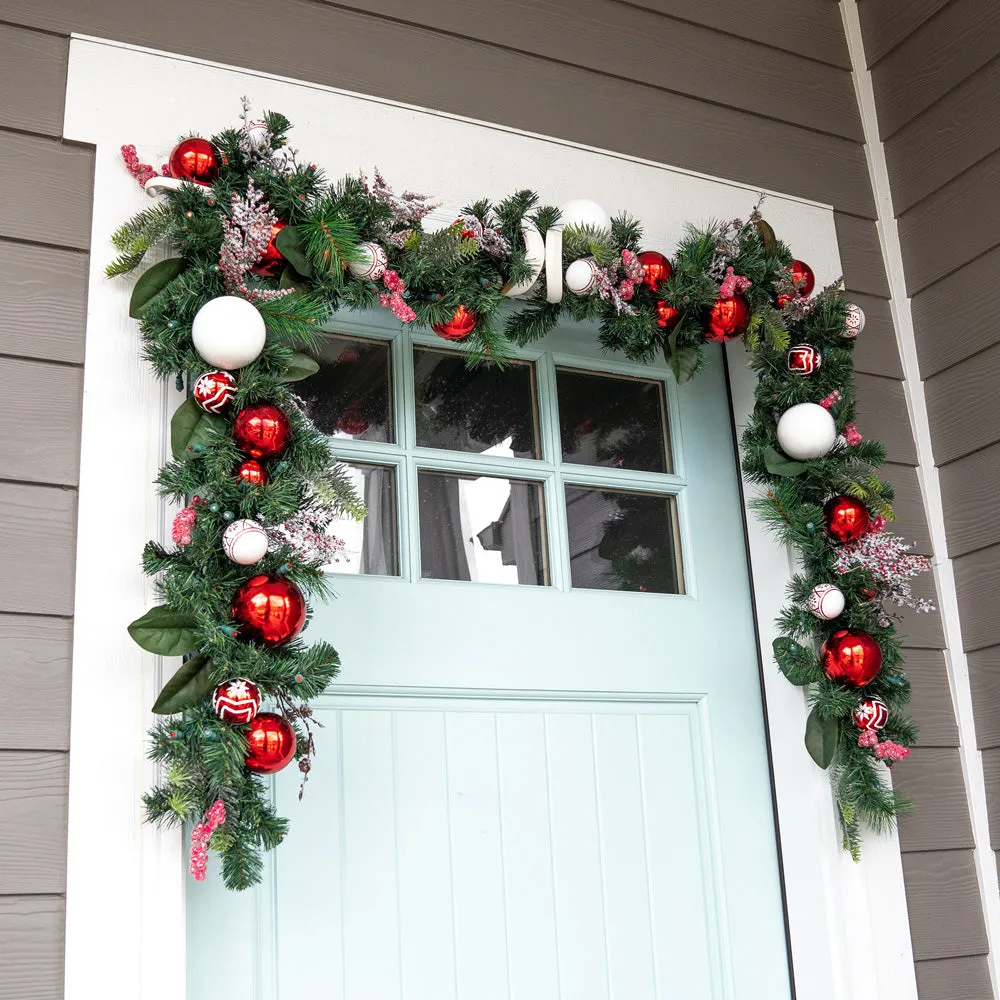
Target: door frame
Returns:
[[125, 916]]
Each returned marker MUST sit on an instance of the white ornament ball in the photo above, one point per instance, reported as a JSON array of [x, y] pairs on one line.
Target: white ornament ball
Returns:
[[228, 332], [372, 265], [826, 601], [581, 276], [244, 542], [854, 321], [583, 213], [806, 431]]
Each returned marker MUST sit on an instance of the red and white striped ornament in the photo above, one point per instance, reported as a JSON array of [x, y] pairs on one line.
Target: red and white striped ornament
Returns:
[[214, 391], [871, 714], [372, 263], [826, 601], [581, 276], [804, 359], [237, 700], [854, 321]]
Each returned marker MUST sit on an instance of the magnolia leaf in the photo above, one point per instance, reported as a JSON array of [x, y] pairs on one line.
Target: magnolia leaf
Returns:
[[152, 283], [795, 661], [779, 465], [187, 687], [289, 244], [191, 425], [301, 366], [683, 362], [290, 278], [821, 739], [165, 630], [766, 234]]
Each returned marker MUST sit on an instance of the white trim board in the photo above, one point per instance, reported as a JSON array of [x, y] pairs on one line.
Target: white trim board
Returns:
[[120, 928]]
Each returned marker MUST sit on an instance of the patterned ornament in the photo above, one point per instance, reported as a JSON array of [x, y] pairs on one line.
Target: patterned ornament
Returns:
[[804, 359], [272, 260], [871, 714], [845, 519], [852, 657], [195, 160], [251, 472], [727, 319], [228, 332], [371, 264], [806, 431], [244, 542], [854, 321], [666, 315], [237, 700], [269, 609], [804, 280], [460, 326], [826, 601], [262, 431], [581, 276], [270, 743], [214, 391], [655, 269]]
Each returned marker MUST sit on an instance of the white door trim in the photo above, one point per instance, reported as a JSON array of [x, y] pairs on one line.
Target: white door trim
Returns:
[[125, 884]]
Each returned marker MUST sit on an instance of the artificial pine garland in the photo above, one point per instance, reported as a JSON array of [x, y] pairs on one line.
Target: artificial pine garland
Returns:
[[256, 224]]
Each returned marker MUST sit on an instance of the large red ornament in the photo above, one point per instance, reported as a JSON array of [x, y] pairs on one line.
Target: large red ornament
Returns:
[[655, 269], [214, 391], [852, 657], [237, 700], [802, 277], [262, 431], [269, 609], [270, 743], [846, 519], [666, 315], [873, 713], [272, 259], [728, 318], [461, 324], [251, 472], [195, 160]]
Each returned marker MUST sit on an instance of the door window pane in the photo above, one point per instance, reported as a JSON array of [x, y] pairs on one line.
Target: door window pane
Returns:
[[482, 409], [614, 421], [620, 540], [368, 546], [351, 394], [481, 528]]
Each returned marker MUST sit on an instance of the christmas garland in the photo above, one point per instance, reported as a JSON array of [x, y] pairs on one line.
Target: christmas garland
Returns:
[[266, 250]]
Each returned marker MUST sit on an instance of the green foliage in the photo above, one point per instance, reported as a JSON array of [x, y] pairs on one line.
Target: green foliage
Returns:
[[137, 237], [821, 738], [165, 630], [152, 282], [190, 684]]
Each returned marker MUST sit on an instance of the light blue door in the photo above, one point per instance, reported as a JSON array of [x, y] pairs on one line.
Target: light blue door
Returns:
[[543, 772]]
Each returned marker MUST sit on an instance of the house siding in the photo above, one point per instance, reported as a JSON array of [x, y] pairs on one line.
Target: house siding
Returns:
[[757, 92]]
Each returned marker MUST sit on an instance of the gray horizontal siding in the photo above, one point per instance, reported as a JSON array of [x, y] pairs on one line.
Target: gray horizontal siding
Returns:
[[933, 780], [984, 672], [29, 55], [930, 704], [970, 486], [962, 406], [31, 959], [966, 978], [886, 23], [977, 579]]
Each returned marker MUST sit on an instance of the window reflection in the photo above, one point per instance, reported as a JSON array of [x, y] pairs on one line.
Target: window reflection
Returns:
[[481, 528], [368, 546]]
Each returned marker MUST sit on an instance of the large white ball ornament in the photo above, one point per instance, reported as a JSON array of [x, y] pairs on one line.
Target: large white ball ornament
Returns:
[[228, 332], [584, 213], [826, 602], [581, 276], [244, 542], [806, 431]]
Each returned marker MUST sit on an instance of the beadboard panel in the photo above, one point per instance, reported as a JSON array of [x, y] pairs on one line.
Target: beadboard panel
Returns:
[[31, 947], [942, 892], [37, 529], [930, 699], [875, 351], [882, 414], [961, 406], [958, 39], [42, 59], [953, 319], [984, 674], [966, 978], [970, 487], [36, 657], [33, 821], [911, 521], [861, 255], [977, 578], [885, 23], [932, 778], [43, 401]]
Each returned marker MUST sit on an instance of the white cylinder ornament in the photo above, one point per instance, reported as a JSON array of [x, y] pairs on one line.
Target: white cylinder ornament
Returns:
[[245, 542], [806, 431], [826, 601], [228, 332], [582, 213], [854, 321], [372, 264], [534, 254], [581, 276]]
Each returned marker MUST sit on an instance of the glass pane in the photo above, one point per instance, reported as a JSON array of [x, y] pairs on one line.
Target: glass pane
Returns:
[[351, 394], [623, 541], [481, 409], [614, 421], [368, 546], [481, 528]]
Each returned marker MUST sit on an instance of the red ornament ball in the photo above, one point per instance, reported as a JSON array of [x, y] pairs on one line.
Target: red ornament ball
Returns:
[[195, 160], [353, 420], [804, 359], [237, 700], [727, 319], [846, 519], [269, 609], [460, 326], [262, 431], [872, 713], [852, 657], [214, 391], [666, 315], [272, 259], [655, 269], [251, 472], [270, 743], [802, 277]]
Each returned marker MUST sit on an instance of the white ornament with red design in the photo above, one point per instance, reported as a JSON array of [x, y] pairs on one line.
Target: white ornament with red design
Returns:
[[214, 391], [826, 601], [237, 700], [872, 714], [371, 264], [245, 542], [854, 321], [581, 276]]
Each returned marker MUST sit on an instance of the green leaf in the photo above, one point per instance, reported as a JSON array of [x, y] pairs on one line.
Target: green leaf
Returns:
[[191, 425], [187, 687], [291, 246], [766, 234], [780, 465], [683, 362], [300, 367], [153, 282], [821, 739], [796, 662], [165, 631], [290, 278]]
